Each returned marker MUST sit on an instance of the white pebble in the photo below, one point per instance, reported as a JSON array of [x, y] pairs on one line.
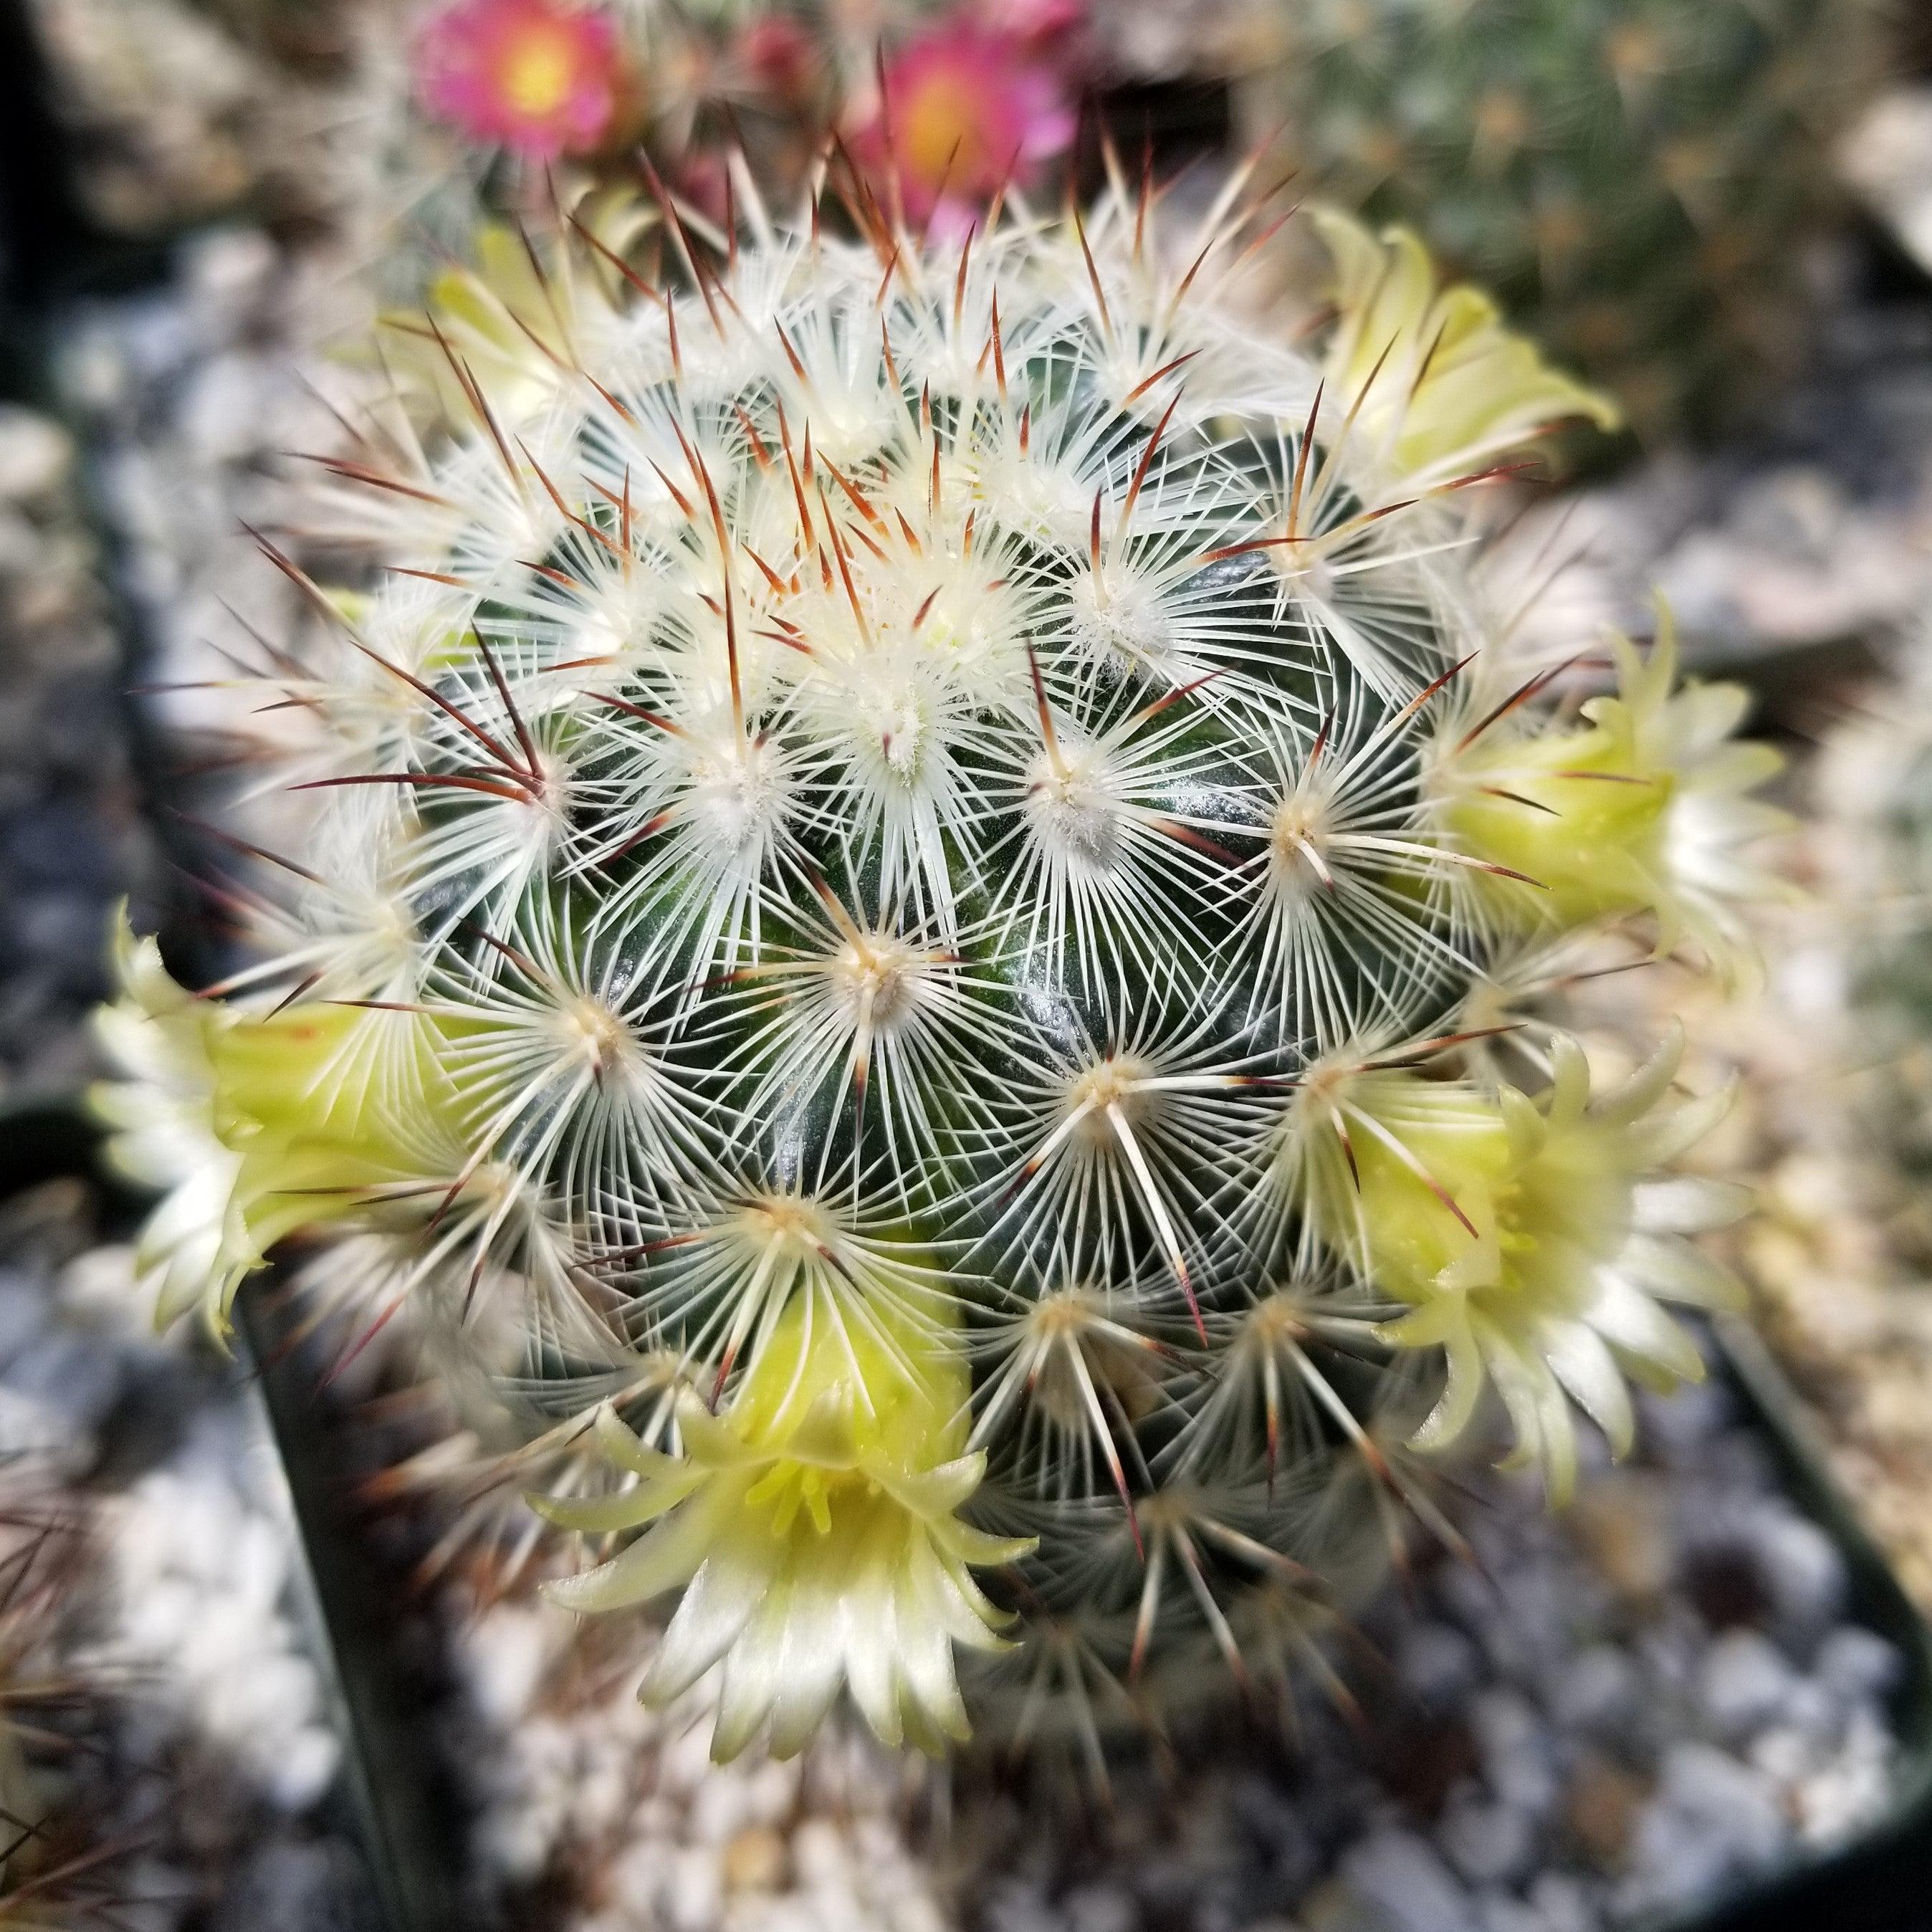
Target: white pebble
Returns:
[[1014, 1906], [506, 1653], [1402, 1878], [1743, 1684], [1439, 1663], [1488, 1843], [1596, 1691], [35, 454], [1803, 1574], [694, 1890], [1499, 1912], [1854, 1663], [1563, 1904], [1099, 1908], [24, 1313], [1731, 1802], [1513, 1745]]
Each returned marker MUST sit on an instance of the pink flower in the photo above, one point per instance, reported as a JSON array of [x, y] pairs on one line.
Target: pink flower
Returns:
[[1039, 23], [702, 181], [539, 77], [967, 109], [780, 56]]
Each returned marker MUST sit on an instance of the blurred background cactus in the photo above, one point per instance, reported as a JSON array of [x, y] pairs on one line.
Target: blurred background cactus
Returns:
[[1875, 788], [1637, 180], [934, 834]]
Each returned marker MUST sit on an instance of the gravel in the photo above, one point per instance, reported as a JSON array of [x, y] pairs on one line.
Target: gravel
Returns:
[[206, 1756], [71, 841], [1659, 1698], [1617, 1714]]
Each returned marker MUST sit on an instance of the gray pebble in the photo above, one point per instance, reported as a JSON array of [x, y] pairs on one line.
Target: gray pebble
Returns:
[[1743, 1683], [1403, 1880], [1488, 1843], [1438, 1663], [1597, 1691], [1852, 1663]]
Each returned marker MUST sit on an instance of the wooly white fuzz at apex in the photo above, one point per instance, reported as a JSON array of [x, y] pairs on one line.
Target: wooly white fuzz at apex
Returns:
[[914, 832]]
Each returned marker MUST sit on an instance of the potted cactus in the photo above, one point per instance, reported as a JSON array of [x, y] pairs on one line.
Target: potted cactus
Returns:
[[927, 896]]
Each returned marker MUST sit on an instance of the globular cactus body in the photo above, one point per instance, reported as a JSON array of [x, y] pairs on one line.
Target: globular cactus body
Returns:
[[917, 834]]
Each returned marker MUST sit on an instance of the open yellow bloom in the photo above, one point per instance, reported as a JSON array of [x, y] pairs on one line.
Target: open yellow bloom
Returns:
[[1533, 1240], [1643, 807], [1438, 385], [253, 1126], [814, 1528]]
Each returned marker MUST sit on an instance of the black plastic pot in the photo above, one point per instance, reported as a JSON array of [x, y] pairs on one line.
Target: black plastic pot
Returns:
[[398, 1791], [1881, 1880], [393, 1798]]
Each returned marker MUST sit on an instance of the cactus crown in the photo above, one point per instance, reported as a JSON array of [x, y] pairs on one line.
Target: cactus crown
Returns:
[[916, 831]]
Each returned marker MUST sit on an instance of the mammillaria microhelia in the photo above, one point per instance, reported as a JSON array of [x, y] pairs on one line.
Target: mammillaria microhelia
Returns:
[[916, 831]]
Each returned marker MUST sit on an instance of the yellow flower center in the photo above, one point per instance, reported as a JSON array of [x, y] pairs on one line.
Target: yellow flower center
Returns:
[[939, 134], [1297, 838], [538, 70], [792, 1487], [588, 1029]]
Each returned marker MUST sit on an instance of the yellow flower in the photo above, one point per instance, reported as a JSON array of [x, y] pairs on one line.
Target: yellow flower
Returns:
[[1643, 808], [813, 1529], [1533, 1240], [253, 1126], [515, 316], [1439, 386]]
